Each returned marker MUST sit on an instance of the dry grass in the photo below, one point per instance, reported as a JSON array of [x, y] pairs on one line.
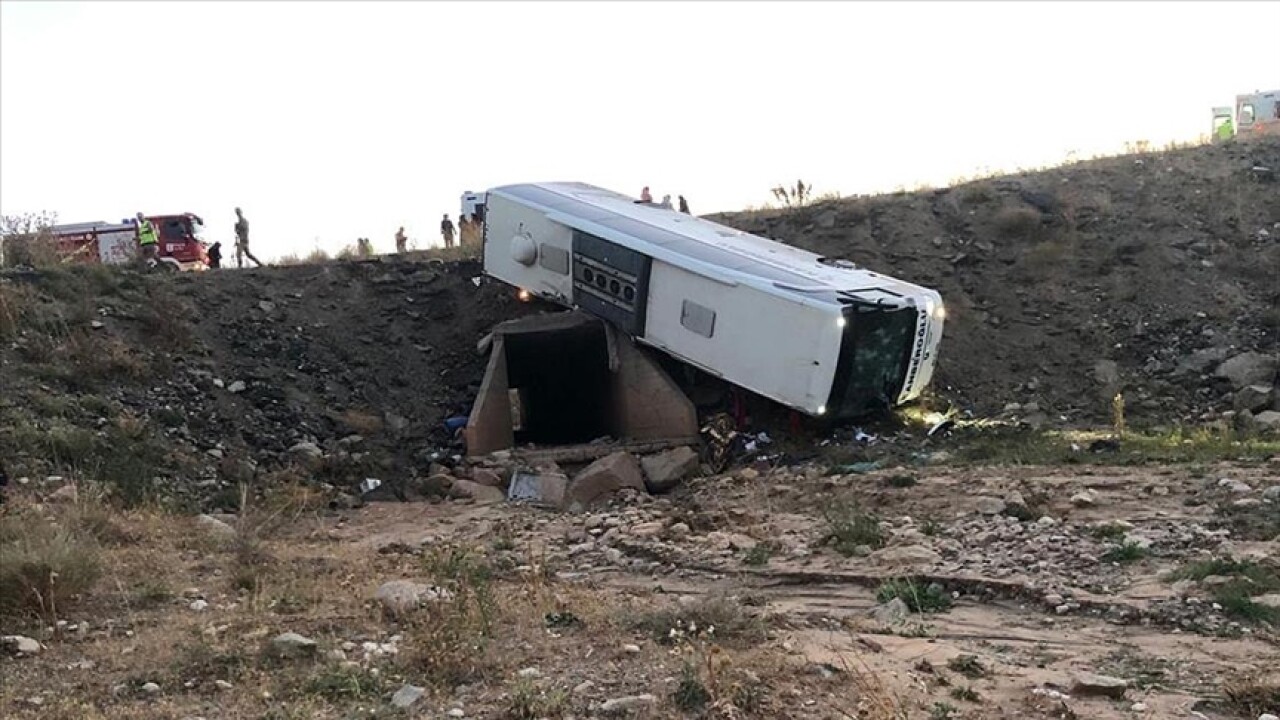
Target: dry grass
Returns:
[[47, 561], [361, 422], [1018, 223]]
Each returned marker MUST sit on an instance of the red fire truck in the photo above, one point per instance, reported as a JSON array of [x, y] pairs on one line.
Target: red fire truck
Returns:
[[180, 247]]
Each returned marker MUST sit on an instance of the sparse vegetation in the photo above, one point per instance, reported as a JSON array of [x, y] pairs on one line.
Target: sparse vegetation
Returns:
[[793, 196], [1252, 695], [967, 665], [966, 694], [715, 617], [690, 694], [44, 564], [1126, 552], [849, 528], [919, 598], [1018, 222], [759, 554], [900, 480], [528, 702]]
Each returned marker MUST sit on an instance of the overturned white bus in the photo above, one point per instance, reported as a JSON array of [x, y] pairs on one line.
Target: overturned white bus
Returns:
[[818, 335]]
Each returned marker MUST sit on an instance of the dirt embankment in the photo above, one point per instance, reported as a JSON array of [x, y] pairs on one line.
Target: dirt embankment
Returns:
[[1139, 274]]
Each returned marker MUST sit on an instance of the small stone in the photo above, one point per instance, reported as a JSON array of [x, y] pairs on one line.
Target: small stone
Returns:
[[1138, 707], [631, 649], [456, 713], [529, 673], [1046, 521], [990, 505], [222, 684], [150, 688], [215, 527], [891, 613], [583, 687], [1272, 493], [237, 387], [906, 555], [66, 493], [198, 605], [20, 645], [407, 695], [1085, 498], [627, 704], [293, 645], [1268, 716], [401, 597], [1089, 684], [1234, 485]]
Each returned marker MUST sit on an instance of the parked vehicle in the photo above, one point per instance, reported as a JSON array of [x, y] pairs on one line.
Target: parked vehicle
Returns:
[[180, 246]]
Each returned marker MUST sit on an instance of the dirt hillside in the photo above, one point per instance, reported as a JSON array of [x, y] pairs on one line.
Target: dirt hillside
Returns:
[[1138, 274]]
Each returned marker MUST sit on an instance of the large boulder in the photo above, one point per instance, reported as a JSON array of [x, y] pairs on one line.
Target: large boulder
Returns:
[[291, 645], [1251, 368], [1269, 420], [664, 471], [906, 555], [1090, 684], [603, 478], [401, 597], [1253, 398]]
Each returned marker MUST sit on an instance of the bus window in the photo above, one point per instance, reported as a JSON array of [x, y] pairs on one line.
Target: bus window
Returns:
[[1246, 114]]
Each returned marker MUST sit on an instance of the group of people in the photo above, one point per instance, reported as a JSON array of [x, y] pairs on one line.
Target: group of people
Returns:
[[647, 199], [468, 232]]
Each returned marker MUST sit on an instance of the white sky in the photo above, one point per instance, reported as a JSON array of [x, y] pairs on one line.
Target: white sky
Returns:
[[327, 121]]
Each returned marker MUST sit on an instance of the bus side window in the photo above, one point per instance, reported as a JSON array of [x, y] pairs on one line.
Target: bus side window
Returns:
[[1246, 114]]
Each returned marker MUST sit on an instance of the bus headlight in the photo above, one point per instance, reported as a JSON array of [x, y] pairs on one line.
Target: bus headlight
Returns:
[[939, 312], [841, 322], [822, 409]]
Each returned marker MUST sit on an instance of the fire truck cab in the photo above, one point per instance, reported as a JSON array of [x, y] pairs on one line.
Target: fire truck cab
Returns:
[[180, 243]]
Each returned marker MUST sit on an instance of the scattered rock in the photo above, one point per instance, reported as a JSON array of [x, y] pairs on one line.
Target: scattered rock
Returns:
[[1272, 493], [664, 471], [401, 597], [1271, 600], [485, 476], [307, 449], [1251, 368], [67, 493], [1254, 398], [215, 527], [1269, 420], [627, 704], [583, 687], [237, 387], [603, 478], [291, 645], [407, 695], [631, 649], [1085, 498], [1200, 361], [990, 505], [455, 713], [1089, 684], [150, 688], [437, 485], [20, 645], [906, 555], [891, 613], [483, 494], [1234, 485], [198, 605], [222, 684], [1268, 716], [529, 673], [1107, 373]]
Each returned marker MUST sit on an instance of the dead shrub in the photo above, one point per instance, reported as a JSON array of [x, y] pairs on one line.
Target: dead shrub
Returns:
[[1045, 258], [450, 636], [44, 565], [720, 618], [1018, 223], [364, 423], [1252, 695]]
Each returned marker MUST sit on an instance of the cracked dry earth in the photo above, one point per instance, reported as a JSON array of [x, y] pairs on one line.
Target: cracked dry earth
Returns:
[[727, 598], [1036, 601]]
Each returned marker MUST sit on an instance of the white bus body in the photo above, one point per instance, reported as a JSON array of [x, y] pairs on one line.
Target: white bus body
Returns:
[[823, 337]]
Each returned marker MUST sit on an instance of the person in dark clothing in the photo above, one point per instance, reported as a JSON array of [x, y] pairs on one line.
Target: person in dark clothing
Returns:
[[4, 481], [684, 206], [446, 231], [215, 255]]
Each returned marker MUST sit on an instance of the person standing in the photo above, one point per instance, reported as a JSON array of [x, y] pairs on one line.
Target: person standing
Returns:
[[446, 231], [402, 242], [242, 241], [215, 255], [684, 206], [147, 240]]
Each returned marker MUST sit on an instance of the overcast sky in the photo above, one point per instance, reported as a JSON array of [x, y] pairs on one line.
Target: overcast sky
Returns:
[[327, 121]]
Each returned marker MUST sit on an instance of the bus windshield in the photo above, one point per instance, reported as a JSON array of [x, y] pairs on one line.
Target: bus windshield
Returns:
[[875, 351]]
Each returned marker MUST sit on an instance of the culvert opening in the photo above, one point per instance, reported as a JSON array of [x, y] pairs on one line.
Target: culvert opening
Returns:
[[560, 386]]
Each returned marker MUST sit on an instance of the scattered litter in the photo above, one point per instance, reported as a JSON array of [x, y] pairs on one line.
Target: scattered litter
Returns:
[[369, 485], [941, 425], [456, 423], [476, 281]]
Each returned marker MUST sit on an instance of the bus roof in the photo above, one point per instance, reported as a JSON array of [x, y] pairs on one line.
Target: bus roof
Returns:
[[710, 248]]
